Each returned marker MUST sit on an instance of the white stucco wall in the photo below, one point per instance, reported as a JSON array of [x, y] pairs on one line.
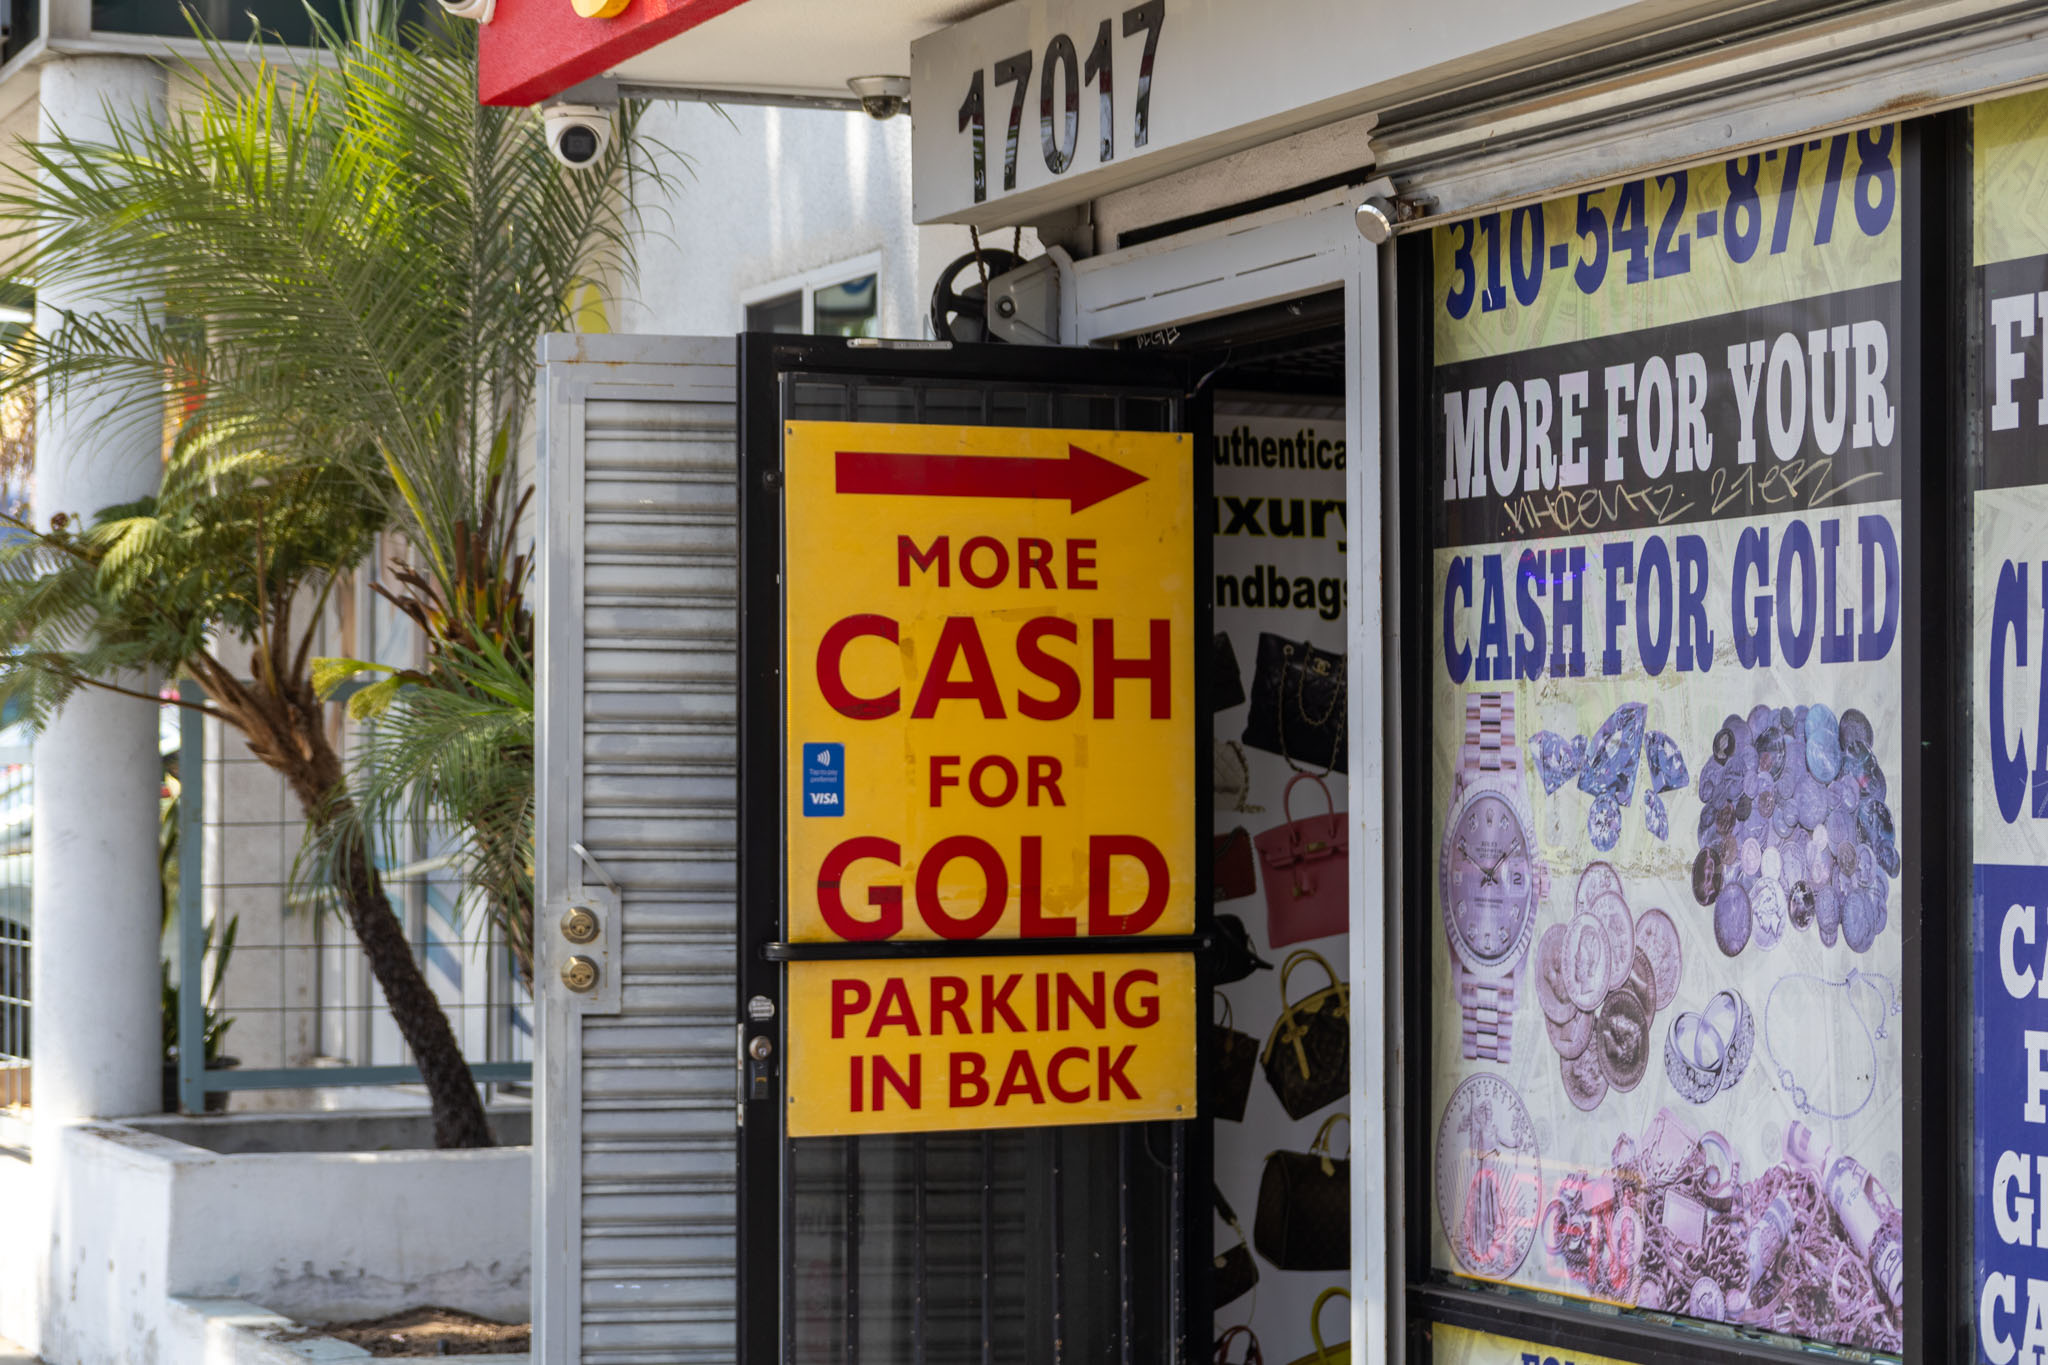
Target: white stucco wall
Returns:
[[759, 195], [21, 1246], [317, 1235]]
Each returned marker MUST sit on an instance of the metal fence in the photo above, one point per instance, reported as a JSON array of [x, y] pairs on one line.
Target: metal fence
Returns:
[[302, 1013], [17, 803]]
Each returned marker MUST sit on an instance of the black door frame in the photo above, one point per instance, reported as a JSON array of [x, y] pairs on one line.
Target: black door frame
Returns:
[[764, 362]]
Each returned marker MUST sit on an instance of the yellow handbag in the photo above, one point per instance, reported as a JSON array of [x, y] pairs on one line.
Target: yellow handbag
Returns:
[[1338, 1354]]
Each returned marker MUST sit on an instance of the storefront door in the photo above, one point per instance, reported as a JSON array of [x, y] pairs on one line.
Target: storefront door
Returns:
[[932, 1162]]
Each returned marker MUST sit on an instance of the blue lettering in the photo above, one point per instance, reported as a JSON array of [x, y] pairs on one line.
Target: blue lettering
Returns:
[[2041, 723], [1753, 638], [1529, 585], [1457, 597], [2008, 620], [1796, 551], [1653, 605], [1496, 664], [1879, 628], [1619, 560], [1568, 570], [1836, 643], [1695, 636]]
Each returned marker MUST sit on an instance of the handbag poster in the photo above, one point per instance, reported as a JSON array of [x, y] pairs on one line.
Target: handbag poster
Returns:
[[1669, 800], [1282, 1135]]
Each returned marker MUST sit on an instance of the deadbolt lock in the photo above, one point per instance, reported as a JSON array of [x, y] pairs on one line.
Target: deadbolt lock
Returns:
[[579, 974], [760, 1048], [579, 925]]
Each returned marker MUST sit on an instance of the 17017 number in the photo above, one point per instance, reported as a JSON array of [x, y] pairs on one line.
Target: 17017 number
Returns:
[[1063, 72]]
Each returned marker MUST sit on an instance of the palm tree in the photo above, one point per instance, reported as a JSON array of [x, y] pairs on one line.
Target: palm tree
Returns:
[[352, 261]]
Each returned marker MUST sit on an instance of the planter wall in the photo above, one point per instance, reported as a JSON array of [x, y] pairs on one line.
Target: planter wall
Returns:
[[290, 1212]]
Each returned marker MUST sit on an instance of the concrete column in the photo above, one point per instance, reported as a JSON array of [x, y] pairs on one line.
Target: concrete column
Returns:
[[97, 1037]]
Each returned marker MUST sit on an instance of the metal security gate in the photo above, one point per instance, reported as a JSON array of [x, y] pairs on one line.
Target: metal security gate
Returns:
[[634, 1236]]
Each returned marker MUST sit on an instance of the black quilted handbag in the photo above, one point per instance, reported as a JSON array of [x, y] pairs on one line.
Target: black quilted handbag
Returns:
[[1308, 1053], [1226, 687], [1304, 1217], [1297, 708]]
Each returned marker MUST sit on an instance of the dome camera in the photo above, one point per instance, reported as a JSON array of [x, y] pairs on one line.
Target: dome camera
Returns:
[[882, 97], [479, 10], [578, 134]]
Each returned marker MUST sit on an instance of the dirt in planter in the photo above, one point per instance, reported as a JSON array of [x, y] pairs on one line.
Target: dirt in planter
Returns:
[[426, 1332]]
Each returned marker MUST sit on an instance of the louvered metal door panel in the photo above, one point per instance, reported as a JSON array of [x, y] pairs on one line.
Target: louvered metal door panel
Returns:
[[635, 1164]]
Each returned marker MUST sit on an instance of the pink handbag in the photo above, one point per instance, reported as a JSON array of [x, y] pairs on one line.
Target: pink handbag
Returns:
[[1307, 871]]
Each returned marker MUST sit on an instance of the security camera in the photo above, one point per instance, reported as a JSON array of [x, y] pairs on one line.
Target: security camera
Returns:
[[578, 134], [882, 97], [479, 10]]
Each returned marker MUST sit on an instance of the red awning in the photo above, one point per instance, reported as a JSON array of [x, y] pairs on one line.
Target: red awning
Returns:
[[533, 49]]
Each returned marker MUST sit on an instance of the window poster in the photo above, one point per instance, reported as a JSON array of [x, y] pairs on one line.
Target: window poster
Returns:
[[1665, 471], [1463, 1346], [2008, 765], [1281, 1032]]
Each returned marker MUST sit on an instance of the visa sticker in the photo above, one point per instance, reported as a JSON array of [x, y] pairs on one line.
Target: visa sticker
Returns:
[[824, 779]]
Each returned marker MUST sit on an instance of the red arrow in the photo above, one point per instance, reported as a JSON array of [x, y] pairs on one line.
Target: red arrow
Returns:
[[1083, 478]]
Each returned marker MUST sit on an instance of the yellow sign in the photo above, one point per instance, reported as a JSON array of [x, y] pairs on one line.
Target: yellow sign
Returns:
[[990, 1042], [1462, 1346], [1816, 217], [991, 735], [990, 694]]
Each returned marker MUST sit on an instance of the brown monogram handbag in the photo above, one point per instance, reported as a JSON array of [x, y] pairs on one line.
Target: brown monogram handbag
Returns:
[[1237, 1056], [1304, 1215], [1236, 1273], [1308, 1054]]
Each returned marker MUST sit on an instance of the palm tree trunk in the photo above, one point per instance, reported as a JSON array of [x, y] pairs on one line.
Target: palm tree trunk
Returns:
[[314, 773]]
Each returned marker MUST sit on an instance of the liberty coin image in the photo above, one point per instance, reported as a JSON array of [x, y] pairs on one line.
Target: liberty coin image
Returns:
[[1585, 963], [1620, 927], [1767, 914], [1642, 979], [1657, 939], [1599, 879], [1621, 1037], [1570, 1038], [1585, 1080], [1489, 1177], [1550, 980]]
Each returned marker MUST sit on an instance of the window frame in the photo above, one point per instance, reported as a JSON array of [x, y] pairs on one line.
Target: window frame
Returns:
[[1935, 907], [808, 284]]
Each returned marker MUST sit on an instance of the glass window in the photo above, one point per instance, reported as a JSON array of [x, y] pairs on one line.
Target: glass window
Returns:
[[2008, 770], [234, 20], [845, 310], [830, 301], [783, 313], [1670, 754]]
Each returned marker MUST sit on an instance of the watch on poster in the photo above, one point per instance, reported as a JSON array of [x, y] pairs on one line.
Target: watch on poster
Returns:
[[1490, 878]]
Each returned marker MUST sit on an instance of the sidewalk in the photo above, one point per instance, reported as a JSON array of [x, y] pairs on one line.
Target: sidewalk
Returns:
[[10, 1354]]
